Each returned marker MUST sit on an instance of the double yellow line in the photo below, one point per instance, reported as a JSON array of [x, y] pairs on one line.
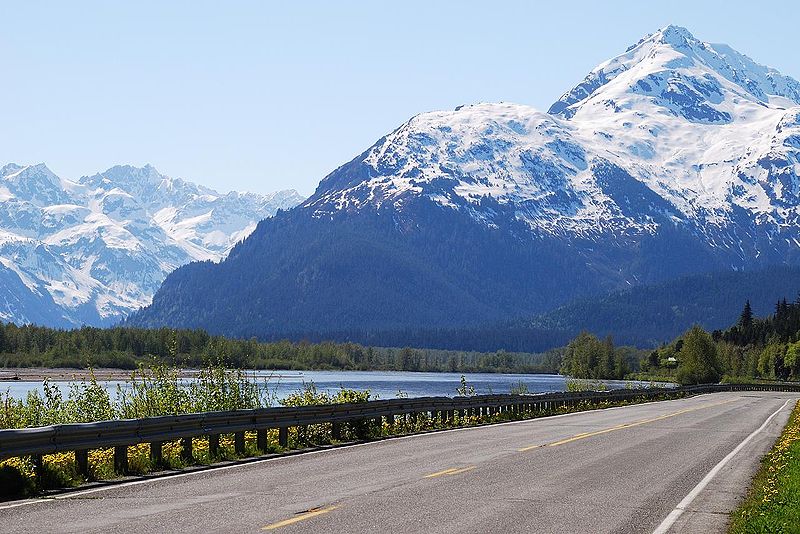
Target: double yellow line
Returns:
[[585, 435]]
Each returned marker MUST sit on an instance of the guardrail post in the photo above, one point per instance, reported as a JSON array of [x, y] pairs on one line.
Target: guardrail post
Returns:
[[283, 436], [82, 462], [213, 445], [121, 459], [238, 442], [261, 439], [336, 431], [186, 450], [38, 466], [156, 453], [390, 423]]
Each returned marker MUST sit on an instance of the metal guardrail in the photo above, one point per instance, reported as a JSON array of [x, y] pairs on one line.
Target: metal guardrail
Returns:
[[120, 434]]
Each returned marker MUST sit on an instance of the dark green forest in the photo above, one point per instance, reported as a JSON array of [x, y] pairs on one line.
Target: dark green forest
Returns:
[[125, 348]]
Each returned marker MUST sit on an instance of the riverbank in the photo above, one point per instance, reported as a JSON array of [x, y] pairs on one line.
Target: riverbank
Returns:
[[64, 374]]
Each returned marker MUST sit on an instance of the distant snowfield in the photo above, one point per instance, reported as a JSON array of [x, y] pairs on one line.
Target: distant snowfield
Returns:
[[91, 251]]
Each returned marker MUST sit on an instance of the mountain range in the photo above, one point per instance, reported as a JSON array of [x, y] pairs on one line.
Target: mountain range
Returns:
[[671, 169], [93, 250]]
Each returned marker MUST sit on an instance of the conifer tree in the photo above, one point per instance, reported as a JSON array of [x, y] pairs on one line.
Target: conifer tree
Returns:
[[746, 319]]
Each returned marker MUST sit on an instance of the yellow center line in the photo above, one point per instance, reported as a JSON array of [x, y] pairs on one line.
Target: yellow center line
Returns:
[[451, 471], [300, 517], [585, 435], [462, 470], [440, 473]]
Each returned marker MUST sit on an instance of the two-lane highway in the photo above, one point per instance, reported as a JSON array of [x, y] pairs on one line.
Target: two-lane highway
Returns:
[[617, 470]]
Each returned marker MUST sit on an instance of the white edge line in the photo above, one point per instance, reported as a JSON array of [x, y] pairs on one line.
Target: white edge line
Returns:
[[212, 469], [673, 516]]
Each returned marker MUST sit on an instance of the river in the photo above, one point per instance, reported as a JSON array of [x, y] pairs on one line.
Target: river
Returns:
[[382, 384]]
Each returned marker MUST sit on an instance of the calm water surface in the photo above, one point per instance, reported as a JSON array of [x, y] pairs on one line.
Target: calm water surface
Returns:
[[383, 384]]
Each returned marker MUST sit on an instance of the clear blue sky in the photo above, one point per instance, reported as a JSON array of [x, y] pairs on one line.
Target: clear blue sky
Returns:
[[261, 96]]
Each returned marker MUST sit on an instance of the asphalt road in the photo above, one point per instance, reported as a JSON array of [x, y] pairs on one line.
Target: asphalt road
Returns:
[[616, 470]]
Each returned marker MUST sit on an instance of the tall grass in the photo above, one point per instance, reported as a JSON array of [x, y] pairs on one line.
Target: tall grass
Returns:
[[151, 390]]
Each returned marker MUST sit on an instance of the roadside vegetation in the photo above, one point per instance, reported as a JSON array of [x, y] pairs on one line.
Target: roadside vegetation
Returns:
[[773, 502], [158, 390]]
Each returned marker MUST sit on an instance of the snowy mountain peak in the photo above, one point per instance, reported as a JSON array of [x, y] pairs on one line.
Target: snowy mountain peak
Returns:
[[36, 183], [19, 173], [674, 35], [681, 68], [10, 168]]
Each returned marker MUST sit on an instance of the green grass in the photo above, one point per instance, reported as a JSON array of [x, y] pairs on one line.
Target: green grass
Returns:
[[773, 502]]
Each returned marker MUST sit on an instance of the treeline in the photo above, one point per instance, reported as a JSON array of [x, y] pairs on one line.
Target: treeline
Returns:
[[125, 348], [765, 348], [478, 338], [781, 327], [754, 348], [586, 356]]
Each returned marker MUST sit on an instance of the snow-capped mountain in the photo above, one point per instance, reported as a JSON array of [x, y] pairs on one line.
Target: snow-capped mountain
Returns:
[[675, 157], [673, 131], [90, 251]]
